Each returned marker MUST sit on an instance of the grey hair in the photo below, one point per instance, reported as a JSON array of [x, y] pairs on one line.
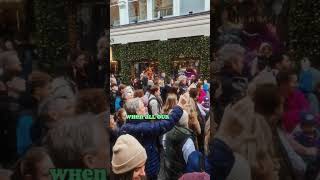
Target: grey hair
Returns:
[[128, 91], [230, 52], [53, 103], [132, 105], [68, 142]]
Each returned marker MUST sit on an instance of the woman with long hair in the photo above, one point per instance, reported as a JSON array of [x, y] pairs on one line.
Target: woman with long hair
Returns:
[[170, 103]]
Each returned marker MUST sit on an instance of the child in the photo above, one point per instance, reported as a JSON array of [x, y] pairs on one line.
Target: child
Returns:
[[308, 135], [295, 101]]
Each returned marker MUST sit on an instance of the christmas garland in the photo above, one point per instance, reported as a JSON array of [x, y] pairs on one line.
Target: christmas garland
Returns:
[[164, 52], [304, 29], [51, 33]]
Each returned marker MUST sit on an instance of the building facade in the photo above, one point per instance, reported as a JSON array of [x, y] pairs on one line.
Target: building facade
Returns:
[[168, 35]]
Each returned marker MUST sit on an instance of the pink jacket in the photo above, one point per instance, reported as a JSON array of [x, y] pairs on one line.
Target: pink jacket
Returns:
[[295, 104], [202, 94]]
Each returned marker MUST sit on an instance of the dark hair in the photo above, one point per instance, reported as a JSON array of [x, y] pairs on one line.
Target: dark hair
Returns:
[[173, 89], [122, 86], [193, 93], [284, 76], [138, 93], [275, 59], [91, 101], [267, 99], [76, 53], [154, 89], [123, 176], [199, 85], [38, 79], [113, 84], [27, 165]]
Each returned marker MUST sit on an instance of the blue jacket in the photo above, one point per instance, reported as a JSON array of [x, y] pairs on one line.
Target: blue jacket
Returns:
[[118, 103], [147, 133], [220, 160], [24, 141]]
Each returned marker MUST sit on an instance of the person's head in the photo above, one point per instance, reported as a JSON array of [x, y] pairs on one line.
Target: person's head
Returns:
[[62, 87], [308, 122], [287, 81], [80, 59], [10, 63], [267, 100], [182, 80], [195, 176], [40, 84], [265, 50], [34, 165], [135, 106], [138, 93], [91, 101], [54, 109], [121, 115], [281, 62], [171, 101], [156, 81], [173, 89], [199, 86], [114, 87], [79, 142], [127, 93], [232, 56], [9, 45], [155, 90], [129, 158], [194, 93], [121, 88]]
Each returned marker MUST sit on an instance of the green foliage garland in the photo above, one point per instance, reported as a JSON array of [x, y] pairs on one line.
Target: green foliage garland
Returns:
[[164, 52], [51, 33], [304, 29]]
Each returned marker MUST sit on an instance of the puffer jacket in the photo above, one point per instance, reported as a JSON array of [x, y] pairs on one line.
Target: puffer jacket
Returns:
[[147, 133], [220, 160]]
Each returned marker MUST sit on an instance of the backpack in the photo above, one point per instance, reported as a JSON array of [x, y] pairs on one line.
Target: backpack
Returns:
[[149, 107]]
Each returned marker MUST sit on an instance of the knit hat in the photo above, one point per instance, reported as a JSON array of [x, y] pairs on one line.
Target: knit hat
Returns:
[[195, 176], [183, 122], [128, 153], [240, 170]]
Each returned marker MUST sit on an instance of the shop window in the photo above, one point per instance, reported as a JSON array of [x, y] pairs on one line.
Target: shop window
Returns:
[[162, 8], [137, 10], [194, 6], [114, 13]]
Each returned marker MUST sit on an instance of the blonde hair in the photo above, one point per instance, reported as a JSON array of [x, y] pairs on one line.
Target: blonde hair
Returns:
[[170, 103]]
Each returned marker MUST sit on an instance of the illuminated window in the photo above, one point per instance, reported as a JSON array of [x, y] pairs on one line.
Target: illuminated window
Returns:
[[162, 8], [114, 13], [137, 10]]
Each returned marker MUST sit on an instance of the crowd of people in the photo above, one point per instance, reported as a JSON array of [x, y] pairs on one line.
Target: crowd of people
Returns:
[[160, 148], [266, 107], [51, 120]]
